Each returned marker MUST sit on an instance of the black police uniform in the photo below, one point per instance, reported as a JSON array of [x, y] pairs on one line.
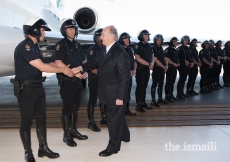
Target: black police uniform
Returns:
[[204, 70], [144, 50], [193, 71], [158, 73], [31, 97], [70, 53], [92, 53], [226, 74], [214, 70], [172, 54], [131, 63], [92, 78], [184, 54], [219, 67]]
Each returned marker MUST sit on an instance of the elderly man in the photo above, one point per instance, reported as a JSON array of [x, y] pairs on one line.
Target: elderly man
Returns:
[[113, 81]]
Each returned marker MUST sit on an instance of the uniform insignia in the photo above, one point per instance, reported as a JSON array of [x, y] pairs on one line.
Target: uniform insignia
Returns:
[[27, 47], [136, 47], [58, 47], [73, 22], [91, 52]]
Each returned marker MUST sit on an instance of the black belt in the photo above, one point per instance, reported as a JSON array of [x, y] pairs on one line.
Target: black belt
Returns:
[[33, 81]]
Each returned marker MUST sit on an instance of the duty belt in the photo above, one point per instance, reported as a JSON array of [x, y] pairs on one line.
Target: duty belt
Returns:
[[32, 81]]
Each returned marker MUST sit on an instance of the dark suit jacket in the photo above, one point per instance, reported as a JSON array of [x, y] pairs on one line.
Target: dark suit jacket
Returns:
[[113, 74]]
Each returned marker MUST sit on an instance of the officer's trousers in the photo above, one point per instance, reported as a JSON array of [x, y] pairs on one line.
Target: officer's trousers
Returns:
[[183, 72], [71, 96], [204, 76], [213, 74], [170, 79], [226, 74], [32, 102], [219, 67], [158, 77], [129, 89], [142, 79], [93, 88], [192, 77]]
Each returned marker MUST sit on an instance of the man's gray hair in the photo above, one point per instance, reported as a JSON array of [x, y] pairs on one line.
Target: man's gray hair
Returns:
[[113, 31]]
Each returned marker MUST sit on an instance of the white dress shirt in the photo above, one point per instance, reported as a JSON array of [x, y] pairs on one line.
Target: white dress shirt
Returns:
[[108, 47]]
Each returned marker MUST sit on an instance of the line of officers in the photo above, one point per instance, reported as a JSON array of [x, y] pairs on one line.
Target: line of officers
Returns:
[[28, 81], [186, 59]]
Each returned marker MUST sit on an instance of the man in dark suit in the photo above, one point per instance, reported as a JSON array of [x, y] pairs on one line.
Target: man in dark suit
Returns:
[[113, 81]]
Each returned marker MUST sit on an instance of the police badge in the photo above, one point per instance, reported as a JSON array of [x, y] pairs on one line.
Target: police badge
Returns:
[[27, 47], [91, 52], [58, 47]]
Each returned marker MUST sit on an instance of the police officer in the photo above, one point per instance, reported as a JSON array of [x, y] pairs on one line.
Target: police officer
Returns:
[[93, 82], [124, 40], [68, 53], [145, 61], [194, 70], [186, 62], [216, 62], [171, 55], [160, 68], [206, 62], [222, 59], [226, 75], [28, 87]]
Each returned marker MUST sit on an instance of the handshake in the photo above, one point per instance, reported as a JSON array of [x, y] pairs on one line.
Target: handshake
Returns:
[[75, 72]]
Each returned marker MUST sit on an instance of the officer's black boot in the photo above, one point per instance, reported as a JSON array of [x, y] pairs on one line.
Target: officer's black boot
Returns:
[[66, 127], [228, 81], [179, 95], [171, 94], [202, 90], [139, 106], [127, 111], [189, 92], [73, 129], [103, 114], [226, 84], [43, 147], [214, 86], [194, 92], [210, 88], [26, 141], [168, 94], [217, 87], [153, 94], [220, 86], [160, 99], [91, 123], [207, 89], [144, 105], [182, 92]]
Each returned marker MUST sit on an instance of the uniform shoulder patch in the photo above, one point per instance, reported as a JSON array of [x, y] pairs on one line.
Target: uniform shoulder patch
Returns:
[[27, 46], [136, 47], [58, 47], [91, 52]]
